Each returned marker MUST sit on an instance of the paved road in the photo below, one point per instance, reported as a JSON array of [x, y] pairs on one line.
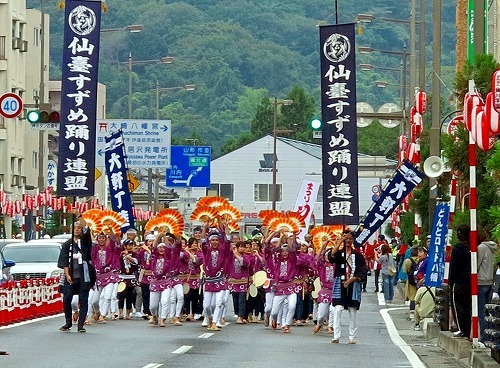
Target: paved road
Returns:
[[134, 343]]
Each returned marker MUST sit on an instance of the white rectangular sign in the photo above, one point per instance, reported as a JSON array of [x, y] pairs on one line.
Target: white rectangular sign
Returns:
[[147, 142], [45, 126], [305, 203]]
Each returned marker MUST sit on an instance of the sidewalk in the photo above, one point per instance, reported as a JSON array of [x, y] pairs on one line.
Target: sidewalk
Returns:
[[427, 350], [440, 350]]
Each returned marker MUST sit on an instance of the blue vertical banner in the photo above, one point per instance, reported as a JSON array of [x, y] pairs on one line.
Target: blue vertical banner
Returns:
[[406, 178], [434, 273], [116, 171], [76, 165], [339, 135]]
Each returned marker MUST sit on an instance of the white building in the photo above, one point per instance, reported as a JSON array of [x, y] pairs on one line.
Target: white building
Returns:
[[20, 73], [244, 177]]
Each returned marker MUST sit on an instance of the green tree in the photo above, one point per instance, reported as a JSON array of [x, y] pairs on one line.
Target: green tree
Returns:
[[263, 121], [480, 70], [297, 116]]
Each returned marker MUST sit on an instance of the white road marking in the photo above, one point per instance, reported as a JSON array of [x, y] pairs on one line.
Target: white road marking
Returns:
[[31, 321], [413, 358], [153, 365], [380, 297], [205, 335], [182, 349]]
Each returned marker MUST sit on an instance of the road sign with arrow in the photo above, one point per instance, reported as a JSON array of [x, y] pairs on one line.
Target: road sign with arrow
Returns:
[[147, 142], [190, 167]]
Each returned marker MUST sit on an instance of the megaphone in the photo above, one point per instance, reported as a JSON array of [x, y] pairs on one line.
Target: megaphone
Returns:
[[433, 166]]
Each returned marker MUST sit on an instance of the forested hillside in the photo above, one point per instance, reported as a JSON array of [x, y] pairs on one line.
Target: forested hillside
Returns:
[[237, 52]]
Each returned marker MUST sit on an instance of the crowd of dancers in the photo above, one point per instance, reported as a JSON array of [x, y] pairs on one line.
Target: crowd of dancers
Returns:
[[194, 278]]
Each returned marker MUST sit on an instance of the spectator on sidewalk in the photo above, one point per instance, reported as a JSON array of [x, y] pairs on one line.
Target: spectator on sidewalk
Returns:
[[377, 253], [459, 281], [409, 268], [485, 274], [388, 265], [425, 304], [422, 253]]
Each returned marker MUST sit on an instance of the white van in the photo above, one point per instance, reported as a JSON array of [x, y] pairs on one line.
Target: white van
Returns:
[[34, 260]]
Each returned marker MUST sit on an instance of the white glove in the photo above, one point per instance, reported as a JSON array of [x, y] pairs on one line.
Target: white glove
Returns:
[[495, 296]]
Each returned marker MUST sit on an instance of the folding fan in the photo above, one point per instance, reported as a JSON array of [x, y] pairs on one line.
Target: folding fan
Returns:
[[165, 224], [212, 201], [170, 212], [109, 227], [297, 218], [264, 213], [92, 212], [283, 224], [233, 226], [93, 219], [229, 212], [329, 233], [204, 214], [109, 217]]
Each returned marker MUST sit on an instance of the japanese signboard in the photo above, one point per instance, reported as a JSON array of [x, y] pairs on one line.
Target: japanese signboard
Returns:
[[147, 142], [190, 167], [434, 274], [305, 203], [116, 169], [339, 131], [407, 177], [79, 98], [51, 173]]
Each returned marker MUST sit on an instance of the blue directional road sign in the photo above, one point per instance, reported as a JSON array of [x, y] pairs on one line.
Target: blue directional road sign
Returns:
[[190, 166]]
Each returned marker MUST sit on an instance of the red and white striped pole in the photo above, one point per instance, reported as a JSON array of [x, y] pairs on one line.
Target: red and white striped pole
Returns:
[[473, 239], [417, 227], [453, 198]]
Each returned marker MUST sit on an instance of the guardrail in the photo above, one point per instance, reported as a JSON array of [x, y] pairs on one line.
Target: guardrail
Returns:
[[28, 299]]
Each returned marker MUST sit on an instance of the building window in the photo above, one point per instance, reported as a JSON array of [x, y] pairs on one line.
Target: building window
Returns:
[[264, 193], [21, 30], [14, 28], [20, 166], [35, 160], [223, 190], [36, 36]]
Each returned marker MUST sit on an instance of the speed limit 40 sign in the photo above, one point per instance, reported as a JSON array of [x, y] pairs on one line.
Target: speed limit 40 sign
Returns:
[[11, 105]]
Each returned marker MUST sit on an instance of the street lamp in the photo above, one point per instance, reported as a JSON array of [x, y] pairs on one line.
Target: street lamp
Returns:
[[187, 87], [404, 54], [130, 62], [412, 22], [275, 131], [133, 28]]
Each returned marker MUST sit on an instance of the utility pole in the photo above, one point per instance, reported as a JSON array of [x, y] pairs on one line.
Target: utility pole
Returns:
[[41, 134], [435, 130], [413, 56], [421, 48]]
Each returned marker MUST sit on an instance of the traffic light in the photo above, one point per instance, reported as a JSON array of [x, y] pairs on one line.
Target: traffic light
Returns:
[[37, 116], [442, 311], [316, 124], [33, 116]]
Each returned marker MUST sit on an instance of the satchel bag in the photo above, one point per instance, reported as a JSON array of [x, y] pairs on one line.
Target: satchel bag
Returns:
[[390, 265]]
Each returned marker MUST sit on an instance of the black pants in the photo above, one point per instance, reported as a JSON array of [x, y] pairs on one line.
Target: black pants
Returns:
[[240, 299], [126, 297], [193, 302], [304, 306], [82, 290], [145, 299], [377, 276], [461, 307]]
